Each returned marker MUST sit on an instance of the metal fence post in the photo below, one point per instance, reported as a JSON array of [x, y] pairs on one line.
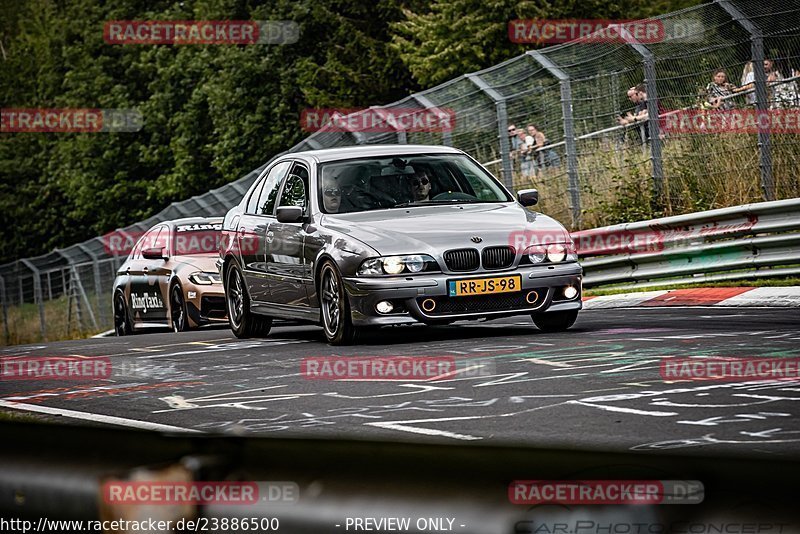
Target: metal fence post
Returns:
[[573, 187], [402, 138], [648, 60], [6, 334], [447, 135], [37, 295], [98, 284], [762, 100], [502, 126], [359, 137]]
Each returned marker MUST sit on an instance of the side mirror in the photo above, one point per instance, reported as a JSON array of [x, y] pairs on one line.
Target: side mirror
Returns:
[[154, 253], [528, 197], [290, 214]]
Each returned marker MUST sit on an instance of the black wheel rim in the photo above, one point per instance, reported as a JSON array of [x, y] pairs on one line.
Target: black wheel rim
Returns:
[[331, 299], [176, 309], [120, 323], [235, 298]]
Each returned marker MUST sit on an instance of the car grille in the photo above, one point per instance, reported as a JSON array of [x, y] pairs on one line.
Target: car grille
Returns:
[[213, 307], [498, 257], [461, 260], [484, 303]]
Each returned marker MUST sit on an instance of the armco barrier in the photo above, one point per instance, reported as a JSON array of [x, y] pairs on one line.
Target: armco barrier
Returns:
[[749, 241]]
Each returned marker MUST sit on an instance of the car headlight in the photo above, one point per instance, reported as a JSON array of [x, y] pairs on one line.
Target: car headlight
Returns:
[[204, 279], [414, 263], [394, 265], [553, 253], [556, 253], [536, 253]]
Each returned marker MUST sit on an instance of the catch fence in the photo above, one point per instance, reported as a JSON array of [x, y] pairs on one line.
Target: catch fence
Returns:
[[591, 171]]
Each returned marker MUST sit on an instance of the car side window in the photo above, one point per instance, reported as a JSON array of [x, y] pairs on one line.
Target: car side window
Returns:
[[294, 191], [269, 193], [295, 188], [158, 239], [146, 241], [252, 202]]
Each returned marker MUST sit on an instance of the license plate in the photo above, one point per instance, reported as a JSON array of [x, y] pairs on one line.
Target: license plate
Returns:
[[484, 286]]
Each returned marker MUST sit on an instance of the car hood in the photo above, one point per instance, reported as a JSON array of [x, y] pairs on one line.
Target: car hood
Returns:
[[434, 229], [196, 262]]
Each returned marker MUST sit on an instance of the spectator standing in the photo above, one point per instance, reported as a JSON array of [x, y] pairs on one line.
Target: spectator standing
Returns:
[[748, 77], [784, 93], [640, 116], [542, 158], [526, 149], [718, 91], [514, 143]]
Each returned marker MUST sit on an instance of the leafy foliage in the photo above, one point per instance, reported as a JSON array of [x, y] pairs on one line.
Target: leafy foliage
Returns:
[[448, 38], [214, 113]]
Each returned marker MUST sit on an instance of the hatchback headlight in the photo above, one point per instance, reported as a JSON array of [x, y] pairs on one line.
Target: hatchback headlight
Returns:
[[414, 263], [204, 279]]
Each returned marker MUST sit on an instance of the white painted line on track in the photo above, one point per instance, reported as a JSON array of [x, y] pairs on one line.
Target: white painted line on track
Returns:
[[545, 362], [98, 418], [404, 427], [107, 333]]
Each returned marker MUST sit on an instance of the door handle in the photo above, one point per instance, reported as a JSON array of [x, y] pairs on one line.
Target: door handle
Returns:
[[270, 235], [144, 270]]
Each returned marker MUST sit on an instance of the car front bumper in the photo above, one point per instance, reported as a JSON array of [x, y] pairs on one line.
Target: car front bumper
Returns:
[[205, 305], [542, 291]]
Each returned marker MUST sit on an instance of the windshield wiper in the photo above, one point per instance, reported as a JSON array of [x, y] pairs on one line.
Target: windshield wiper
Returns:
[[438, 202]]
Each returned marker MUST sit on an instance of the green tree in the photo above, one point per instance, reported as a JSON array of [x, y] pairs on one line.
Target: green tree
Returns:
[[211, 113], [453, 37]]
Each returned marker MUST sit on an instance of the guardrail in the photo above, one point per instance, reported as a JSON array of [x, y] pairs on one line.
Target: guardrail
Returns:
[[743, 242]]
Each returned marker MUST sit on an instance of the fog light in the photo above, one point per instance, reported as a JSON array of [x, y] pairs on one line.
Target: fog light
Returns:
[[428, 305], [570, 292], [384, 306]]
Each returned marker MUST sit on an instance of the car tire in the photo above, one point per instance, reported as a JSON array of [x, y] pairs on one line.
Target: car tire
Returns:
[[335, 307], [122, 321], [243, 322], [177, 309], [555, 321]]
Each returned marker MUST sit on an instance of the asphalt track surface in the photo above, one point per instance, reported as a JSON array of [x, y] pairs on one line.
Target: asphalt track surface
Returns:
[[597, 386]]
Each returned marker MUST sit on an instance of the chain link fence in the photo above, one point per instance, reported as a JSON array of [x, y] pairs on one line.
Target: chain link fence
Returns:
[[590, 169]]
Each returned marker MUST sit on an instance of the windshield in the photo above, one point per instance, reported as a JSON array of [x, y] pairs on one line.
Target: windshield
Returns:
[[396, 182], [197, 239]]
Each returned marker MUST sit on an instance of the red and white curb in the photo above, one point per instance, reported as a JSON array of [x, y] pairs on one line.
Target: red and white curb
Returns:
[[774, 297]]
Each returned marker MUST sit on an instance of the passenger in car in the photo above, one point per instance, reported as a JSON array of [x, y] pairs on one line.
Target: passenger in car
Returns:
[[331, 195], [420, 184]]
